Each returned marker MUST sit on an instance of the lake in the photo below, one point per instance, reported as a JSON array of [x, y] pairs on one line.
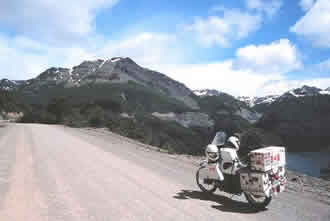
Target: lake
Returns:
[[308, 162]]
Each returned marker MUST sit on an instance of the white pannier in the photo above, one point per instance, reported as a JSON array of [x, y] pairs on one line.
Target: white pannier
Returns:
[[255, 182], [268, 158]]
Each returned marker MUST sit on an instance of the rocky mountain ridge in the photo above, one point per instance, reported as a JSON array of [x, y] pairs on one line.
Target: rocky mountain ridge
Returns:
[[305, 91], [294, 93], [114, 70], [253, 101], [122, 70]]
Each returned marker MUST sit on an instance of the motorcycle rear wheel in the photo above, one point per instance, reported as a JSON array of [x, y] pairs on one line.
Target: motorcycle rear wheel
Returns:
[[258, 202], [206, 188]]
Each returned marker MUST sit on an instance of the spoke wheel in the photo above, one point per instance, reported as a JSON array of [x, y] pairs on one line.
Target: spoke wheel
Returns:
[[207, 187]]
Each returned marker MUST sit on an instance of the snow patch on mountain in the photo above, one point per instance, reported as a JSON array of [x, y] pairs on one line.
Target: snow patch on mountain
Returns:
[[207, 92], [325, 92], [252, 101], [305, 91], [297, 93], [249, 101], [115, 59], [102, 63]]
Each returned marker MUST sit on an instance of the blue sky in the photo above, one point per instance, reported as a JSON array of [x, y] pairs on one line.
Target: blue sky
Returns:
[[242, 47]]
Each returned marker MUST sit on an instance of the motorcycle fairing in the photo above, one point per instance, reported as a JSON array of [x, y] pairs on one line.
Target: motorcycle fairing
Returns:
[[213, 171]]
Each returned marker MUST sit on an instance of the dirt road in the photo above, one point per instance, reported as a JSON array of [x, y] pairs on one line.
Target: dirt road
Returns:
[[56, 173]]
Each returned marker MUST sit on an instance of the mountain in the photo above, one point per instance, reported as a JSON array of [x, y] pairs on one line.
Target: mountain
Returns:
[[304, 91], [301, 117], [111, 71], [148, 106], [261, 104], [215, 101], [130, 100]]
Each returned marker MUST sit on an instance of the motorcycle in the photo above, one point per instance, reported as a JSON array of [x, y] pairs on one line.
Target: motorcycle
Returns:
[[223, 170]]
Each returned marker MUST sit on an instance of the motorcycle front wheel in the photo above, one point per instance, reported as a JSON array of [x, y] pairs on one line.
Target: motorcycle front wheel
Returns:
[[258, 202], [201, 177]]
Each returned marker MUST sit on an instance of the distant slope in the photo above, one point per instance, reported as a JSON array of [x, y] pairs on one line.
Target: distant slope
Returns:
[[131, 97], [302, 122], [10, 106], [300, 116], [260, 104], [225, 105]]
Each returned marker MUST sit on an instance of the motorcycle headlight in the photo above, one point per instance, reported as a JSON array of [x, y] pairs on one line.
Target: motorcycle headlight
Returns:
[[212, 155]]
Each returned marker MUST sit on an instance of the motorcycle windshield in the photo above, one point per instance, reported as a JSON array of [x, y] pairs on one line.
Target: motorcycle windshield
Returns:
[[220, 138]]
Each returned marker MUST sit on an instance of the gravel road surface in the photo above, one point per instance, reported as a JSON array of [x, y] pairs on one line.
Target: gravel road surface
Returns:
[[58, 173]]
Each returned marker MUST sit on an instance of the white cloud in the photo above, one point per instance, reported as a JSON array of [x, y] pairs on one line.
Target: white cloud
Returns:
[[22, 58], [221, 30], [232, 24], [278, 57], [16, 62], [306, 4], [269, 7], [224, 77], [148, 49], [315, 25], [285, 84], [160, 52], [221, 76], [54, 20], [256, 70]]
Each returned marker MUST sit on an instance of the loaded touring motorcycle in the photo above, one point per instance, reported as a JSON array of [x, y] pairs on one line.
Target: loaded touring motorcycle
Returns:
[[259, 180]]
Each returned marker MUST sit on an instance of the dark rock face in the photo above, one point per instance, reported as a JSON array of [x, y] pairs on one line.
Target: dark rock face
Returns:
[[85, 69], [187, 119], [302, 122], [9, 85], [123, 70], [249, 115], [301, 117], [54, 76]]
